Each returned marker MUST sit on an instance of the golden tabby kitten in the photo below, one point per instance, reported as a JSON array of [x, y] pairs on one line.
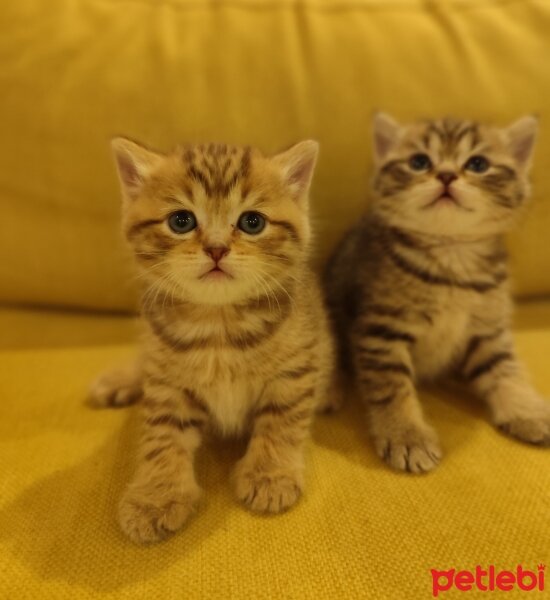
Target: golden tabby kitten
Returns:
[[237, 338], [419, 288]]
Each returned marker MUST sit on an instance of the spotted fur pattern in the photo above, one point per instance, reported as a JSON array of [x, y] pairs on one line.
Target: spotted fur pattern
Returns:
[[419, 288], [246, 351]]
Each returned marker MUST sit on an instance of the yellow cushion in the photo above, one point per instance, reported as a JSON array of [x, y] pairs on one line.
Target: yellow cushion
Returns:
[[75, 73], [361, 530]]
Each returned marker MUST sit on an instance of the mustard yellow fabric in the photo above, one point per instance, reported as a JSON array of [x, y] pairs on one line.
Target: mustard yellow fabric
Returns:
[[360, 532], [24, 329], [266, 72]]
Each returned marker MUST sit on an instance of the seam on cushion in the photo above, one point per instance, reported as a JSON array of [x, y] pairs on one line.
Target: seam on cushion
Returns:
[[72, 309], [334, 6]]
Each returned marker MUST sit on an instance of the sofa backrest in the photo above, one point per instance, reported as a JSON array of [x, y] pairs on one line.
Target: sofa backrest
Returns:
[[264, 72]]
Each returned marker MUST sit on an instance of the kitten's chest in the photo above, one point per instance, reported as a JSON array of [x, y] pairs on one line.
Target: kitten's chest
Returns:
[[225, 359], [440, 340], [229, 382], [231, 402]]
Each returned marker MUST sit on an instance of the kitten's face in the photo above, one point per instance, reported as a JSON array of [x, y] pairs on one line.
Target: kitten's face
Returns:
[[216, 224], [450, 177]]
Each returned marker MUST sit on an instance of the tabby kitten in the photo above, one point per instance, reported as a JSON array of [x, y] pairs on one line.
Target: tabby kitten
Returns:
[[237, 338], [419, 288]]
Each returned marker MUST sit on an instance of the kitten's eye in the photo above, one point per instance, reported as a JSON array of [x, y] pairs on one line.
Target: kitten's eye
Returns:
[[251, 222], [420, 162], [182, 221], [477, 164]]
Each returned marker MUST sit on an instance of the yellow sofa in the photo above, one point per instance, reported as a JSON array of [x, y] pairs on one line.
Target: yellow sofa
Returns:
[[268, 72]]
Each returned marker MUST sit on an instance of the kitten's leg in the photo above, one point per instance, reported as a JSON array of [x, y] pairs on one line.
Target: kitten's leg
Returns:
[[331, 380], [491, 367], [384, 373], [164, 491], [333, 399], [116, 388], [270, 476]]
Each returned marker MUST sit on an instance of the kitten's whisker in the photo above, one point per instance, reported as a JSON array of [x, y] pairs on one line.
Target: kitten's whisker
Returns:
[[264, 287], [279, 285], [151, 294], [145, 271], [287, 275], [267, 292], [175, 287]]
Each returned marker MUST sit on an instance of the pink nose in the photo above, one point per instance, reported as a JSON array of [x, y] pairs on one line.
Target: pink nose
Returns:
[[217, 252], [446, 177]]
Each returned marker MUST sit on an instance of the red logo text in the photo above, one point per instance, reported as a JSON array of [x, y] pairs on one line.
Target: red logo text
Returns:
[[488, 580]]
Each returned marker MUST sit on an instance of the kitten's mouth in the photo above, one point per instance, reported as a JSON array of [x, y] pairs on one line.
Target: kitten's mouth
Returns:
[[216, 273], [446, 199]]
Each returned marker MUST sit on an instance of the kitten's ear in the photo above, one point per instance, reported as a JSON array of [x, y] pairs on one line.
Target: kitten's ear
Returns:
[[134, 164], [521, 136], [385, 133], [297, 165]]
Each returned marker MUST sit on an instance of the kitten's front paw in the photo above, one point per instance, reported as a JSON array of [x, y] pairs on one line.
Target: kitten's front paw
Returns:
[[415, 450], [115, 389], [151, 516], [534, 430], [264, 490]]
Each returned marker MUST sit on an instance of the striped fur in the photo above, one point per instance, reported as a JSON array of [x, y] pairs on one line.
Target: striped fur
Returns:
[[416, 293], [246, 352]]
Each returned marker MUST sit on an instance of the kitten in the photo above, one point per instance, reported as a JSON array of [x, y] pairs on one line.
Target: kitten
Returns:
[[419, 288], [237, 337]]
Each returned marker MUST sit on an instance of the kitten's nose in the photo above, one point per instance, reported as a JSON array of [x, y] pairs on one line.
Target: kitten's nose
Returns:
[[217, 252], [446, 177]]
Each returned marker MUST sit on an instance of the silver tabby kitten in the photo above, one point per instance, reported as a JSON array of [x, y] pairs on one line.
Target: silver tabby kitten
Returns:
[[419, 288]]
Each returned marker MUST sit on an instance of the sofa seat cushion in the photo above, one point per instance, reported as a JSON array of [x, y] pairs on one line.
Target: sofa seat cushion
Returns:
[[360, 531]]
